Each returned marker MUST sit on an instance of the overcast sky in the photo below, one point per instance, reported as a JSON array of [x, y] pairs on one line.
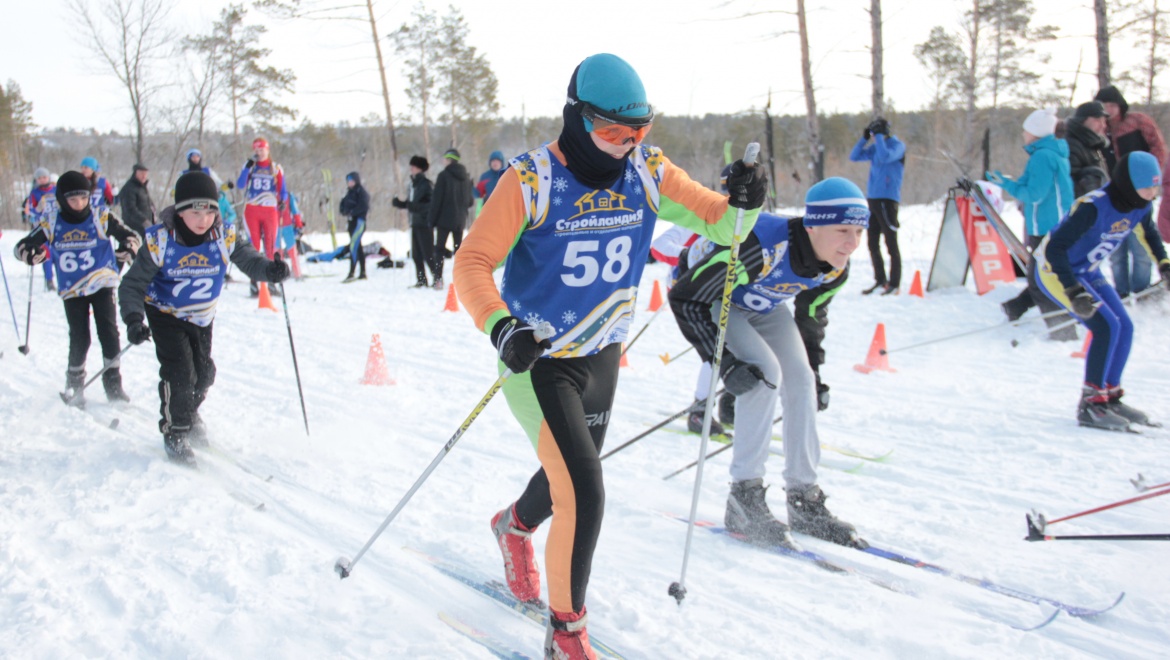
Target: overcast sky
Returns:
[[694, 57]]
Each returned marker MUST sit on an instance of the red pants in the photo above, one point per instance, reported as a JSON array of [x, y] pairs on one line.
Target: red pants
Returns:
[[262, 225]]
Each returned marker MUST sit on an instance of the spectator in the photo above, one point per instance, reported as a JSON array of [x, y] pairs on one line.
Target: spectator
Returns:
[[356, 205], [448, 213], [884, 191], [137, 207], [422, 236], [487, 180], [1086, 147]]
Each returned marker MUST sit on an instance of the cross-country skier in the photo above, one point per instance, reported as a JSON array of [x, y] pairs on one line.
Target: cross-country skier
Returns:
[[77, 235], [102, 195], [262, 181], [572, 223], [1069, 261], [170, 294], [291, 228], [770, 346], [356, 205], [42, 202]]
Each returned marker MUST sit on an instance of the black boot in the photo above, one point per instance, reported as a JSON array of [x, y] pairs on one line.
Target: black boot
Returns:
[[1131, 414], [1094, 411], [112, 381], [875, 287], [807, 514], [178, 448], [748, 515], [74, 382]]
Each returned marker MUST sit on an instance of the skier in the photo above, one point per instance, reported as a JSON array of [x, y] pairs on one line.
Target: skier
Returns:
[[572, 223], [356, 205], [887, 156], [78, 236], [170, 294], [768, 346], [102, 197], [422, 235], [262, 181], [452, 196], [195, 164], [291, 228], [1068, 263], [42, 203]]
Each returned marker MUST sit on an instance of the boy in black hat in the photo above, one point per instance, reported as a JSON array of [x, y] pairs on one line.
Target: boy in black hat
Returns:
[[170, 294], [87, 272], [422, 237]]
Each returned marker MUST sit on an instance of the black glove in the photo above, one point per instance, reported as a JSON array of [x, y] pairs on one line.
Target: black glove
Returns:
[[249, 164], [822, 395], [397, 203], [517, 344], [276, 270], [880, 127], [137, 331], [746, 186], [29, 255], [1080, 301], [867, 134], [739, 377], [1164, 271], [230, 185]]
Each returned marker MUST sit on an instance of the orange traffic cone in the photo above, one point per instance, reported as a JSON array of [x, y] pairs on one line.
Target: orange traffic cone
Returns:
[[1084, 349], [266, 298], [916, 285], [877, 358], [624, 362], [376, 371], [452, 301], [655, 298]]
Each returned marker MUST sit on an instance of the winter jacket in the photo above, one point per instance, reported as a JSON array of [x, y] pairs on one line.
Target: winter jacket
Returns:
[[137, 208], [1045, 187], [356, 203], [1086, 157], [888, 155], [1136, 131], [418, 200], [489, 179], [451, 198]]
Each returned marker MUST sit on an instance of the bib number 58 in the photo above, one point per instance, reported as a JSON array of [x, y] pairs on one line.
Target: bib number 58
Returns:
[[579, 255]]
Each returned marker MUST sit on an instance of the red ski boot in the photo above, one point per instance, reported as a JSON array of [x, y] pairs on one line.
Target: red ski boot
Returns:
[[566, 637], [519, 558]]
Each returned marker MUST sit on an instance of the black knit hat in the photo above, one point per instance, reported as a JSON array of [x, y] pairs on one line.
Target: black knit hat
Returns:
[[1090, 109], [1111, 94], [195, 189], [420, 162], [452, 153], [72, 183]]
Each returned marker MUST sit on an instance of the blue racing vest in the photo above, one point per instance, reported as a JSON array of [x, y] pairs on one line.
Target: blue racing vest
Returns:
[[1107, 234], [189, 279], [578, 261], [776, 283], [82, 254]]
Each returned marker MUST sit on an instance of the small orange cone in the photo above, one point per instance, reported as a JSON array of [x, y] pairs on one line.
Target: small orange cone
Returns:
[[1084, 349], [624, 362], [266, 298], [376, 371], [655, 298], [916, 285], [877, 358], [452, 301]]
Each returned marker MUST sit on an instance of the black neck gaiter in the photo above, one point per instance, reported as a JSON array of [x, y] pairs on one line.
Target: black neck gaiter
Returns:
[[190, 238], [1122, 194], [590, 166]]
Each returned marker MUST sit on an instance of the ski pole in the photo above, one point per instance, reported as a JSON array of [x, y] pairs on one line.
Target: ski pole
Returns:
[[15, 326], [70, 398], [696, 461], [652, 317], [1106, 507], [1036, 533], [666, 359], [345, 566], [678, 589], [293, 348], [650, 430], [23, 348]]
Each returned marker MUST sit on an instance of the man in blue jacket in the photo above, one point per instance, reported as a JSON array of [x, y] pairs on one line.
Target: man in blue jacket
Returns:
[[1045, 190], [883, 192]]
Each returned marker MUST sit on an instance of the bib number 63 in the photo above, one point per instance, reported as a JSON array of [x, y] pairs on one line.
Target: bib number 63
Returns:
[[579, 255]]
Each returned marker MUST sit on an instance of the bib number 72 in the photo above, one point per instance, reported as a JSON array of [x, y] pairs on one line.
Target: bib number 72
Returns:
[[201, 290], [579, 255]]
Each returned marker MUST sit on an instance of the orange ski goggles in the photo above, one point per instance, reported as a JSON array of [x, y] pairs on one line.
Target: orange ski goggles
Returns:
[[617, 129]]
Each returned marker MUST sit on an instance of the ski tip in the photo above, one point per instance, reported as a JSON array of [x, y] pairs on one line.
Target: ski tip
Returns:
[[343, 567], [1047, 620]]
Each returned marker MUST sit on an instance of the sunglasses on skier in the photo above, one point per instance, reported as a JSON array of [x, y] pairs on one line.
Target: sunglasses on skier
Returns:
[[617, 129]]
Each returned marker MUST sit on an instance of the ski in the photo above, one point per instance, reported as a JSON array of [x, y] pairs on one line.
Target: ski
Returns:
[[727, 438], [493, 645], [826, 564], [534, 611]]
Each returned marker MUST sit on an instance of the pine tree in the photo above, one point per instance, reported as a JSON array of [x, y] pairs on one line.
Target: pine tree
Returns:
[[419, 42], [467, 85]]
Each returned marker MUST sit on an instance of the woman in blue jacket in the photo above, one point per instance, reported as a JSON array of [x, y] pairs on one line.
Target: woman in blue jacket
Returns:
[[883, 193], [1046, 193]]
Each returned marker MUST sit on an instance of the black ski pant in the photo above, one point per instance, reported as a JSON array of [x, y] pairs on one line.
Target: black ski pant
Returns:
[[441, 234], [1034, 297], [186, 370], [105, 317], [422, 249], [564, 404], [883, 221]]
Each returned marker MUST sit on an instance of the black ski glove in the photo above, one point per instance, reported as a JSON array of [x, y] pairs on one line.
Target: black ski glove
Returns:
[[822, 395], [137, 331], [1080, 301], [747, 187], [397, 203], [248, 165], [739, 377], [867, 134], [1164, 271], [277, 270], [880, 127], [517, 344], [30, 255]]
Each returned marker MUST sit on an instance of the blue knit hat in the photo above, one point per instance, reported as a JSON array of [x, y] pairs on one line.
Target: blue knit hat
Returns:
[[194, 152], [1143, 170], [835, 201], [611, 84], [91, 163]]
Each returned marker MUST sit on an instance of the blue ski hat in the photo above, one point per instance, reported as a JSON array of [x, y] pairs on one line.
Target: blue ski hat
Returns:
[[609, 83], [835, 201], [1143, 170], [91, 163], [194, 152]]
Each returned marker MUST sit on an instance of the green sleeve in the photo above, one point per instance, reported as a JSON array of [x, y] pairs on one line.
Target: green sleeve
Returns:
[[721, 232]]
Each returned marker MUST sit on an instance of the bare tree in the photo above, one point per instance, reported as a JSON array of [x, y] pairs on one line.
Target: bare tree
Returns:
[[875, 52], [131, 38], [1100, 10], [816, 150], [385, 93]]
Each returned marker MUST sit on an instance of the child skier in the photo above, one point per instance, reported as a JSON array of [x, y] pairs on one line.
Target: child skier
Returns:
[[101, 194], [1068, 262], [42, 202], [768, 346], [572, 223], [356, 205], [170, 294], [78, 237]]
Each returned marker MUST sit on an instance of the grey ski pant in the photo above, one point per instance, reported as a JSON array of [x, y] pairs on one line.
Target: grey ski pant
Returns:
[[772, 342]]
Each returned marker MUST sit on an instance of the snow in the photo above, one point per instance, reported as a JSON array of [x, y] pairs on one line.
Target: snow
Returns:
[[108, 550]]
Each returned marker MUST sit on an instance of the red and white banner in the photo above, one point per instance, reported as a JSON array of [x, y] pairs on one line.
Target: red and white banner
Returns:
[[990, 259]]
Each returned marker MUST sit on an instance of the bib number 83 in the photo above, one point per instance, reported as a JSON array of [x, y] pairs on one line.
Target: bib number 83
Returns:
[[579, 254]]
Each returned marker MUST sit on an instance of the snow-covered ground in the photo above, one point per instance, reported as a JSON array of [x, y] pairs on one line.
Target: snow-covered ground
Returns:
[[108, 550]]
